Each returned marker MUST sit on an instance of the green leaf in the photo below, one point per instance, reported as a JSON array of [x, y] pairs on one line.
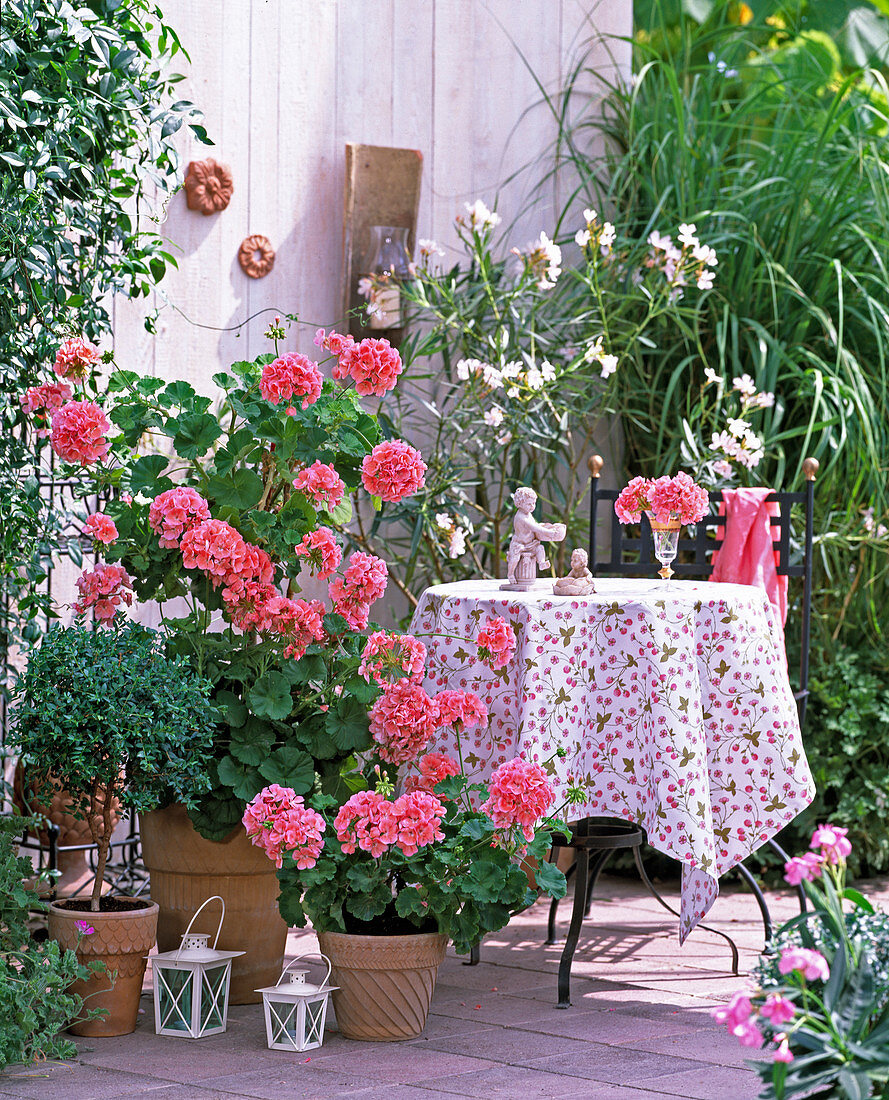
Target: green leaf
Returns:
[[347, 725], [270, 696], [252, 744], [195, 435], [146, 472], [244, 781], [551, 880], [342, 513], [240, 489], [291, 767]]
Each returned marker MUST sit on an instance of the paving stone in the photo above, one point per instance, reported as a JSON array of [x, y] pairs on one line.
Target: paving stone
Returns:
[[73, 1081], [599, 1062], [710, 1083], [529, 1084]]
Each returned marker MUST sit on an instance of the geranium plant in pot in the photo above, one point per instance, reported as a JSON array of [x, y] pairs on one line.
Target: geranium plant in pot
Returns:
[[218, 513], [387, 880], [112, 718]]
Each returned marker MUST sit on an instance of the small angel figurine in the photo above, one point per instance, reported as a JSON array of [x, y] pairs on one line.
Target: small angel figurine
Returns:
[[526, 545], [579, 581]]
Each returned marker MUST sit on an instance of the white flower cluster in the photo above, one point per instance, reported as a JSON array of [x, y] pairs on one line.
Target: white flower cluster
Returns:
[[871, 526], [739, 442], [480, 217], [511, 375], [544, 259], [596, 234], [595, 353], [691, 262], [453, 532]]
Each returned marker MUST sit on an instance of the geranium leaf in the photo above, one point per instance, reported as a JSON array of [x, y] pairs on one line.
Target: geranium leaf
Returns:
[[240, 489], [146, 473], [243, 780], [270, 696], [290, 767], [195, 434], [551, 880], [347, 725]]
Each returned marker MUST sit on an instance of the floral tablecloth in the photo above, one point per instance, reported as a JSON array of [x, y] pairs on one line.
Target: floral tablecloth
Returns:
[[671, 699]]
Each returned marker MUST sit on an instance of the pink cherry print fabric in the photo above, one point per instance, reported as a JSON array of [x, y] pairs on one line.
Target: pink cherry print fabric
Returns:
[[672, 701]]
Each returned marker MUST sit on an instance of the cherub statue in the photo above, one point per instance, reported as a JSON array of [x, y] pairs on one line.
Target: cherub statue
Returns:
[[579, 581], [526, 545]]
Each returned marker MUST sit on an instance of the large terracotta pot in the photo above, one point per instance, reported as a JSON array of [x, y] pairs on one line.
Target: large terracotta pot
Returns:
[[186, 869], [121, 940], [385, 982]]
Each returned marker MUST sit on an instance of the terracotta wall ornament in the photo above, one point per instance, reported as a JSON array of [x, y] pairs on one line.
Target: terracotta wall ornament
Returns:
[[208, 186], [256, 256]]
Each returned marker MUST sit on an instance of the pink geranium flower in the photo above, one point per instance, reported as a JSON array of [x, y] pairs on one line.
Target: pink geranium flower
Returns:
[[218, 550], [520, 794], [84, 927], [78, 433], [418, 816], [278, 821], [633, 500], [374, 365], [831, 839], [393, 470], [321, 484], [363, 581], [461, 708], [290, 376], [321, 551], [176, 511], [387, 656], [811, 964], [42, 402], [402, 721], [76, 358], [104, 589], [101, 528], [496, 642], [679, 498], [434, 767], [336, 343], [366, 821]]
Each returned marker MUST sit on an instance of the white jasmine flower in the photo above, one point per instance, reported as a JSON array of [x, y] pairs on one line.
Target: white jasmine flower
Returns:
[[457, 543], [737, 427], [687, 236], [582, 237], [744, 385], [609, 365], [429, 248], [659, 243], [513, 391], [548, 371], [493, 377], [534, 379], [512, 369], [711, 376], [480, 217], [443, 521], [494, 416], [705, 280]]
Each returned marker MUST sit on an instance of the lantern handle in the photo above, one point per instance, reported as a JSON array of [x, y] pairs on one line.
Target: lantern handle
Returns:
[[308, 955], [221, 901]]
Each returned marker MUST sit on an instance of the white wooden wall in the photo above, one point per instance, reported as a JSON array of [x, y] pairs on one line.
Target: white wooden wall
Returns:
[[284, 84]]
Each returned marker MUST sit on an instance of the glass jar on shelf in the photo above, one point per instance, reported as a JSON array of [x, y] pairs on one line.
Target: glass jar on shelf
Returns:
[[386, 266]]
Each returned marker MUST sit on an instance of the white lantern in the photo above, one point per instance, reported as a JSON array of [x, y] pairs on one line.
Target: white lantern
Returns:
[[191, 984], [295, 1012]]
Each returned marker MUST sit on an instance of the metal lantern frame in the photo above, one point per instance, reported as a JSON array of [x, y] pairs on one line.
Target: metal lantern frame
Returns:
[[191, 984], [295, 1013]]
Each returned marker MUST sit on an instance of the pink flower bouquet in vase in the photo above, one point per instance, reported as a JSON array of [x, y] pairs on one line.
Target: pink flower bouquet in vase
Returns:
[[669, 503]]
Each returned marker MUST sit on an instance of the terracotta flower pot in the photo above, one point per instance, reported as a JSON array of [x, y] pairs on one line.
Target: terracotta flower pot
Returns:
[[121, 940], [385, 982], [186, 869]]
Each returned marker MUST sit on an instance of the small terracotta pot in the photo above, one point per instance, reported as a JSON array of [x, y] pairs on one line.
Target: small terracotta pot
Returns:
[[385, 982], [121, 941], [186, 869]]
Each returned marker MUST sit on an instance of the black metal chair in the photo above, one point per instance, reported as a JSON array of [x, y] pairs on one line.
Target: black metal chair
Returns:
[[595, 839]]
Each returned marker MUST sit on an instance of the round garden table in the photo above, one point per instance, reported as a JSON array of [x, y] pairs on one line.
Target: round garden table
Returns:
[[671, 700]]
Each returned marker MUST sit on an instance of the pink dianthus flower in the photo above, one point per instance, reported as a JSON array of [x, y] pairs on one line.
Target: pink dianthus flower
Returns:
[[496, 642], [374, 365], [418, 817], [278, 821], [388, 654], [463, 707], [831, 839], [811, 964], [176, 511], [321, 484], [366, 822], [520, 794], [290, 376], [42, 402], [402, 721], [104, 589], [393, 470], [321, 551], [78, 433], [76, 358], [101, 527]]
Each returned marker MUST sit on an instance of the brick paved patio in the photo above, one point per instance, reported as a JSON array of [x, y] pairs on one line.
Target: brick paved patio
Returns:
[[639, 1025]]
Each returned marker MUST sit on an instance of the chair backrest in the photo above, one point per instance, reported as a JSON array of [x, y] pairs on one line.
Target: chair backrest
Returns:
[[632, 547]]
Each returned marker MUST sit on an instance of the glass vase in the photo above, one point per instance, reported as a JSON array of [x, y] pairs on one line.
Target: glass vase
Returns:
[[386, 266], [666, 543]]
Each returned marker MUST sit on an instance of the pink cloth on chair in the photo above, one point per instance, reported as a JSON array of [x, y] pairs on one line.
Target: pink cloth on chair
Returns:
[[747, 555]]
